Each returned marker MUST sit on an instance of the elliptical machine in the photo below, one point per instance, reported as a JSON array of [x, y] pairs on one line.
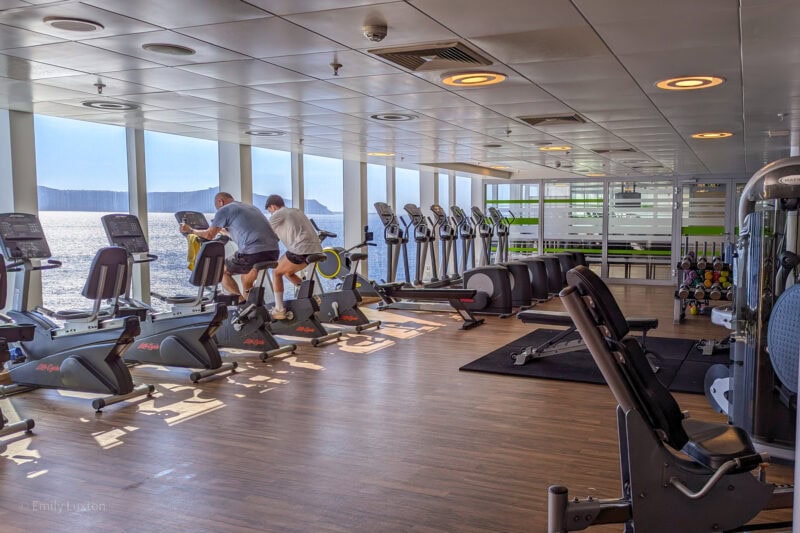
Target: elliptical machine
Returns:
[[183, 336], [425, 239], [248, 324], [502, 229], [85, 354], [466, 234], [448, 234], [485, 232]]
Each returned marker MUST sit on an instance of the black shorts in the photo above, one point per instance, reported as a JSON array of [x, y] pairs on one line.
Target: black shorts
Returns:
[[243, 263], [296, 259]]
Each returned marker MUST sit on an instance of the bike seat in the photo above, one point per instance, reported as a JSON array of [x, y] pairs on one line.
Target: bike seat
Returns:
[[315, 258], [358, 256], [264, 265]]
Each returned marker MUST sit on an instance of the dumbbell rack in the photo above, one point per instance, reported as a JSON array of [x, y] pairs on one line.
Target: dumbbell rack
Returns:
[[698, 295]]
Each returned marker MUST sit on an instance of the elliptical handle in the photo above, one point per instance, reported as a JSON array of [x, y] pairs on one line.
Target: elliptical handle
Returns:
[[149, 259]]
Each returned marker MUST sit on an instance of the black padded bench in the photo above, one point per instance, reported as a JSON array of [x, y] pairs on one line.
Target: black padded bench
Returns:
[[556, 345]]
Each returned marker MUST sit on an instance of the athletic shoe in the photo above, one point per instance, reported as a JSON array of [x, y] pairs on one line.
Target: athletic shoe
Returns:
[[278, 314]]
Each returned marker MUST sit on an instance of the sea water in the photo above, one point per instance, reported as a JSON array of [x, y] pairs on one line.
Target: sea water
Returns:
[[75, 236]]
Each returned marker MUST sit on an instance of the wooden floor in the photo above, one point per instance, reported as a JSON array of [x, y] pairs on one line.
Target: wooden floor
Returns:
[[380, 433]]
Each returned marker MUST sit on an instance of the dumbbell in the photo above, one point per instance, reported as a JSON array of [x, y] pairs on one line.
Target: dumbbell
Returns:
[[715, 293], [683, 292], [702, 263], [729, 295], [717, 264], [699, 293]]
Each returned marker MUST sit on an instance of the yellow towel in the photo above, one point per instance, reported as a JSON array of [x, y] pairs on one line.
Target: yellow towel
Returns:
[[194, 248]]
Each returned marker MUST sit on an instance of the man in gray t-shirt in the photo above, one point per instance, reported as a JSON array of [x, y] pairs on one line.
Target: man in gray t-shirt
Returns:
[[300, 239], [250, 230]]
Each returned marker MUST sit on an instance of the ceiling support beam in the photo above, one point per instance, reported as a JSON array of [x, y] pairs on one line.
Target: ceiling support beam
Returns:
[[298, 189], [236, 171], [355, 204]]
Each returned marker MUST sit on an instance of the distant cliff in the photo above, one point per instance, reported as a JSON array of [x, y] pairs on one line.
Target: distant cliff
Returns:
[[157, 202]]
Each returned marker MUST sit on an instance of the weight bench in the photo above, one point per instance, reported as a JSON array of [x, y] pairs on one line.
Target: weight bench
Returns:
[[556, 345], [718, 483]]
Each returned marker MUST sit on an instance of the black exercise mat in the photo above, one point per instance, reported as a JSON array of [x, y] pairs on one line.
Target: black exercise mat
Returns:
[[579, 366]]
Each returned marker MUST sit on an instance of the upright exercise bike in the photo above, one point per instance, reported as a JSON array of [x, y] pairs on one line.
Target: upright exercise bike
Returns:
[[248, 323], [11, 332], [182, 336], [340, 307], [85, 354]]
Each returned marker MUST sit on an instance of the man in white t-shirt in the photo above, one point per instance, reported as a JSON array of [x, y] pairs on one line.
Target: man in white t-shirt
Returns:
[[298, 235]]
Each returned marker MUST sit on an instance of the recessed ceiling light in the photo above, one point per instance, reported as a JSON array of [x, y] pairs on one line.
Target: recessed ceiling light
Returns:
[[712, 135], [500, 167], [394, 117], [688, 83], [108, 105], [169, 49], [381, 154], [555, 148], [473, 79], [265, 133], [72, 24], [493, 145], [595, 174]]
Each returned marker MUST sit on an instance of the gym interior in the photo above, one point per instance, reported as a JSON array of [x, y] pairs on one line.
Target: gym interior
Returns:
[[558, 289]]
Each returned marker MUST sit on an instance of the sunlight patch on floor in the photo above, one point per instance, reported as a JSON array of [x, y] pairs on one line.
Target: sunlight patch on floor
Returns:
[[19, 451], [113, 437], [191, 406]]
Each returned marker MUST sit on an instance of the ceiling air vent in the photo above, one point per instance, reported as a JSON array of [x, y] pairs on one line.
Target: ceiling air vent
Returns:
[[432, 56], [553, 120], [614, 151]]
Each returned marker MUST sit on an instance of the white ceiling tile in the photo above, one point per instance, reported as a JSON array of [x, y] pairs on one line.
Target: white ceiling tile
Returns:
[[132, 45], [388, 84], [168, 79], [309, 90], [79, 56], [319, 65], [169, 100], [32, 19], [292, 108], [405, 25], [11, 37], [288, 7], [237, 96], [247, 72], [87, 83], [264, 37], [554, 44], [180, 13], [21, 69]]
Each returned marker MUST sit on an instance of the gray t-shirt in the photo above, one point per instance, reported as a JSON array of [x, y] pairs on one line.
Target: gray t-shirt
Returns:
[[247, 226], [295, 231]]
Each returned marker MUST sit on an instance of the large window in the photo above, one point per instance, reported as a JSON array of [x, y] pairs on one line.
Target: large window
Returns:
[[444, 192], [703, 219], [520, 207], [464, 193], [573, 218], [376, 192], [407, 192], [324, 188], [272, 174], [82, 174], [182, 174], [640, 229]]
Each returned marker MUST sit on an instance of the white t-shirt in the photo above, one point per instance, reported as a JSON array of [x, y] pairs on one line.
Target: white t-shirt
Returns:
[[295, 231]]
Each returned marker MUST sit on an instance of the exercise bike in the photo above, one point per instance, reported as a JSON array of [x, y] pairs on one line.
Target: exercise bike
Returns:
[[338, 263], [248, 323], [182, 336], [11, 332], [85, 354], [340, 307]]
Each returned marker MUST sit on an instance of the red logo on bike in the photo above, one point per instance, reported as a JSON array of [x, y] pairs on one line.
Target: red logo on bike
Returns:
[[254, 342], [45, 367], [149, 346], [349, 318], [304, 329]]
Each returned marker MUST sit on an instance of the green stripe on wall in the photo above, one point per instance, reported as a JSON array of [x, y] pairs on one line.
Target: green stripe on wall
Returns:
[[512, 201], [597, 251], [523, 221], [702, 230]]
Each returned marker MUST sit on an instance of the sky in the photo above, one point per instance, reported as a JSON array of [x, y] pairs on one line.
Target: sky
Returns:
[[72, 154]]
